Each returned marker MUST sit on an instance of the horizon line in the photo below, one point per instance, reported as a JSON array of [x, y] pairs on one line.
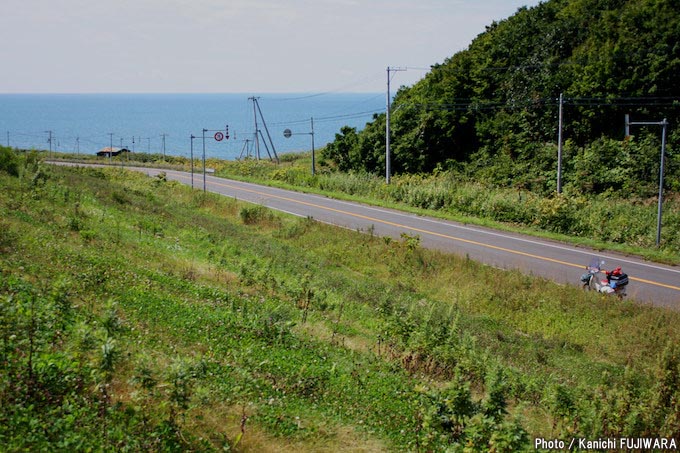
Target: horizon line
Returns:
[[315, 93]]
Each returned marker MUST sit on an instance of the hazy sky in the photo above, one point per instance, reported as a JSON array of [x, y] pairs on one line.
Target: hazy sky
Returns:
[[255, 46]]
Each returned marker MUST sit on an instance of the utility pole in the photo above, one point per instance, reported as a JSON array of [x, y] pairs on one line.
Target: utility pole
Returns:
[[164, 135], [388, 157], [204, 131], [559, 147], [49, 140], [78, 145], [192, 160], [313, 158], [257, 140], [664, 126], [8, 139], [110, 145], [246, 148], [256, 110], [266, 129]]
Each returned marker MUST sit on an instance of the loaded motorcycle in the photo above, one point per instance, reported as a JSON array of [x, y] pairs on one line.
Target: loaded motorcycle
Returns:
[[605, 282]]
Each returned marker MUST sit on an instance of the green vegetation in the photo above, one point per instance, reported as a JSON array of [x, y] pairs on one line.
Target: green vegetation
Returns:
[[602, 222], [491, 111], [139, 315], [608, 220], [475, 140], [133, 159], [136, 314]]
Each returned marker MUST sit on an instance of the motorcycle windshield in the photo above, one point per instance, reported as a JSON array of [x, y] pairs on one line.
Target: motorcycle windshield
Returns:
[[594, 265]]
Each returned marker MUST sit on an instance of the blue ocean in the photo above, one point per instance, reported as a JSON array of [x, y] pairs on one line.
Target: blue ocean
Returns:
[[158, 123]]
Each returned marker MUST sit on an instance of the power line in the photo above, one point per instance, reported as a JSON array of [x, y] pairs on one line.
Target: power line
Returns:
[[359, 82], [349, 116], [469, 104], [329, 118]]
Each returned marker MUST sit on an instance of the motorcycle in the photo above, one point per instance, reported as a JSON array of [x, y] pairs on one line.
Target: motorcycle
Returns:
[[605, 282]]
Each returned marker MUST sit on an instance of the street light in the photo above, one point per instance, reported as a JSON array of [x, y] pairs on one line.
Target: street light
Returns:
[[388, 157], [664, 126]]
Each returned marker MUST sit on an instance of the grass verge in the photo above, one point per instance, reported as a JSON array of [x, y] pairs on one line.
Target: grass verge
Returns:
[[137, 314]]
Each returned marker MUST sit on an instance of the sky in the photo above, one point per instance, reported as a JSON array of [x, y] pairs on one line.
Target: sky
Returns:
[[232, 46]]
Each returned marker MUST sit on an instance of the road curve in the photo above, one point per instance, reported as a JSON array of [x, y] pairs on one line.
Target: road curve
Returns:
[[650, 282]]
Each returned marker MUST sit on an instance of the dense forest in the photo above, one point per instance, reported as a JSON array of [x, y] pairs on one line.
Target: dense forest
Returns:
[[490, 113]]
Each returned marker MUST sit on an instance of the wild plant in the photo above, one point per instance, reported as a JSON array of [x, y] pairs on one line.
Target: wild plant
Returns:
[[560, 400], [665, 416], [9, 161], [412, 242], [258, 215], [303, 294], [451, 417], [60, 297]]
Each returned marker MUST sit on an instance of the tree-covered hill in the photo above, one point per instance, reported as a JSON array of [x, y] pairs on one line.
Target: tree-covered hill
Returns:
[[491, 111]]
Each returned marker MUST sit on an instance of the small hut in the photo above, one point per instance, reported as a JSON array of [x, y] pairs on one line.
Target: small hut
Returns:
[[108, 151]]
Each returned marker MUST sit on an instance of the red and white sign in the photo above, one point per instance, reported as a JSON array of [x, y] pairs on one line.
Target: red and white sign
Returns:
[[219, 136]]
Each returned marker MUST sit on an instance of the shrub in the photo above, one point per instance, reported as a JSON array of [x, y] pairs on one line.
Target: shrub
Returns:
[[7, 236], [9, 162], [452, 417], [558, 214], [257, 215]]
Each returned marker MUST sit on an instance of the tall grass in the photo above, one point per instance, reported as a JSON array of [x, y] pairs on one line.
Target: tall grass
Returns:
[[186, 321], [600, 220]]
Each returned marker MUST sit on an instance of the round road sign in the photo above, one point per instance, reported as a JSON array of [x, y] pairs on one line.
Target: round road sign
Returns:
[[219, 136], [287, 133]]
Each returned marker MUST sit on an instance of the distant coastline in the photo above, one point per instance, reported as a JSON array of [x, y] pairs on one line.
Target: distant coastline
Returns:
[[83, 122]]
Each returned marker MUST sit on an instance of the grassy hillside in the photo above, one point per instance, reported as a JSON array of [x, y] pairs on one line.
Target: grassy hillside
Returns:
[[136, 314], [607, 221], [601, 222]]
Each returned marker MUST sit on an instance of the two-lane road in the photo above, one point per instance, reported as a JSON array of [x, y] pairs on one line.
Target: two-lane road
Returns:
[[650, 282]]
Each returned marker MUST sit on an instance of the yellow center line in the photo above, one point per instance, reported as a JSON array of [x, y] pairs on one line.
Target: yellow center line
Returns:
[[433, 233], [650, 282]]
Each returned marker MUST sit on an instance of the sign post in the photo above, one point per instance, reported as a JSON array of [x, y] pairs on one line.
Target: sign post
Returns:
[[218, 136], [288, 133]]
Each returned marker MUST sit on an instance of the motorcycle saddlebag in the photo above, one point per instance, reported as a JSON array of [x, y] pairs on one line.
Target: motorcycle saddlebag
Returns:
[[620, 279]]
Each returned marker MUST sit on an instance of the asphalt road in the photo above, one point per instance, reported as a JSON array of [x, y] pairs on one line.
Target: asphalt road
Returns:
[[649, 282]]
